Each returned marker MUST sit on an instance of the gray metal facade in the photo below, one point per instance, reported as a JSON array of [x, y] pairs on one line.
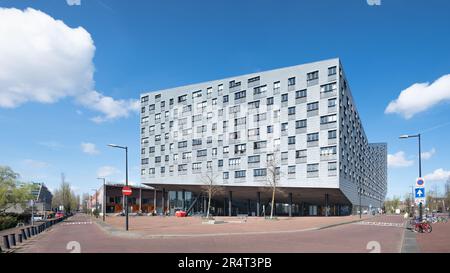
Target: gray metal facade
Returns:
[[303, 114]]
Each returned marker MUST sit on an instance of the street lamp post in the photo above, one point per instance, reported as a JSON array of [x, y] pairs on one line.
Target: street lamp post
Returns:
[[360, 193], [96, 200], [420, 165], [103, 197], [126, 179]]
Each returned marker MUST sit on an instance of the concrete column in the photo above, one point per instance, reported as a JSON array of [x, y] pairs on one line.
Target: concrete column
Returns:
[[140, 199], [154, 200], [230, 205], [163, 201], [290, 204], [248, 208], [183, 199], [326, 204], [258, 203]]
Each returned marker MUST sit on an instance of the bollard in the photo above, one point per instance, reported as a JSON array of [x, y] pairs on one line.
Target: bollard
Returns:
[[20, 238], [24, 235], [13, 239], [6, 242], [33, 231], [28, 232]]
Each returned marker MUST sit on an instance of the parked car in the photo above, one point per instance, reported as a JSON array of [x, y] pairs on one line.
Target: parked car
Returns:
[[59, 214]]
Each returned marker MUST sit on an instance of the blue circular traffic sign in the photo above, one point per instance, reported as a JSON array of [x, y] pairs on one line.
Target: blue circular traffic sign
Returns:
[[420, 182]]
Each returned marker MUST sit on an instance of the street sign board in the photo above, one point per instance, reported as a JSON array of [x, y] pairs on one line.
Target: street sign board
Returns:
[[126, 191], [419, 193], [420, 182]]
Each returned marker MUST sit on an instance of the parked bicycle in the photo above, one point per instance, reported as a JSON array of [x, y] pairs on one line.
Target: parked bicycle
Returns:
[[421, 226]]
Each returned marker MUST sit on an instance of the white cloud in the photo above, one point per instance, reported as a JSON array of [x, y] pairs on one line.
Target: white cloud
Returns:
[[106, 171], [398, 160], [35, 164], [437, 175], [429, 154], [89, 148], [44, 60], [73, 2], [420, 97], [53, 145]]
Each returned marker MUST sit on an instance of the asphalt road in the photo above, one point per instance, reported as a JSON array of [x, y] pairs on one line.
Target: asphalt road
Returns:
[[80, 234]]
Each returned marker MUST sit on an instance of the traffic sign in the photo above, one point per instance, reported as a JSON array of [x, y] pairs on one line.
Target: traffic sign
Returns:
[[420, 182], [420, 192], [126, 191]]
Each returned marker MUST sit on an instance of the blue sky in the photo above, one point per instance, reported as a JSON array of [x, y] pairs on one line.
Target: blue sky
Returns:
[[150, 45]]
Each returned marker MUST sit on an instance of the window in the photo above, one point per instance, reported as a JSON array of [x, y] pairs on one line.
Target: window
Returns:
[[270, 157], [197, 166], [201, 105], [313, 137], [201, 153], [253, 104], [300, 154], [163, 169], [284, 97], [235, 135], [276, 86], [259, 145], [312, 76], [151, 107], [291, 81], [187, 108], [142, 109], [328, 87], [332, 134], [158, 116], [158, 138], [332, 102], [291, 110], [259, 172], [225, 98], [144, 120], [166, 158], [214, 101], [144, 99], [284, 156], [284, 126], [291, 140], [328, 119], [331, 71], [255, 79], [225, 175], [239, 95], [163, 148], [240, 148], [157, 96], [151, 149], [270, 129], [182, 168], [209, 91], [235, 109], [144, 161], [239, 121], [234, 84], [259, 89], [214, 151], [220, 163], [209, 115], [186, 155], [226, 150], [182, 144], [300, 94], [201, 129], [220, 87], [260, 117], [291, 169], [197, 141], [175, 157], [332, 166], [163, 104], [197, 94], [182, 98], [270, 101], [234, 161], [254, 159], [312, 106], [151, 171], [239, 174], [253, 132], [209, 165], [157, 159], [311, 168], [325, 151], [171, 102], [300, 124]]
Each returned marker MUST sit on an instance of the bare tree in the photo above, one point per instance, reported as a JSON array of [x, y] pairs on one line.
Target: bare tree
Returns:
[[210, 187], [273, 177]]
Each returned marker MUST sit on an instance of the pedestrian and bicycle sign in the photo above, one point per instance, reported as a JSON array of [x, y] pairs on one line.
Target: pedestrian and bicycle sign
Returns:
[[419, 191]]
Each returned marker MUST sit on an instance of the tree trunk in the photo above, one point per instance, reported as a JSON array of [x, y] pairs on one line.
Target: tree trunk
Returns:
[[273, 202], [209, 204]]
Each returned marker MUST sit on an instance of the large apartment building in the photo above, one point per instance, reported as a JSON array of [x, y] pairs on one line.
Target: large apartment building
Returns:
[[301, 121]]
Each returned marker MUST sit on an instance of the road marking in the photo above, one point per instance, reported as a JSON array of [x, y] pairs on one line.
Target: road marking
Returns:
[[383, 224], [77, 223]]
